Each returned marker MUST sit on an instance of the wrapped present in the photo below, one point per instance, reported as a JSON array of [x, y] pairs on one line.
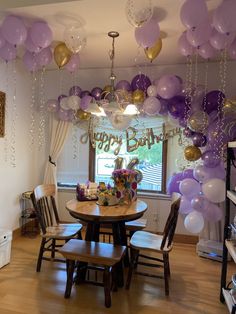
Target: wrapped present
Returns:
[[125, 181], [87, 192]]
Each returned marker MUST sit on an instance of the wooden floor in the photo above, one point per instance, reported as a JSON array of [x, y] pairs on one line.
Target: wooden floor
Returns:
[[194, 287]]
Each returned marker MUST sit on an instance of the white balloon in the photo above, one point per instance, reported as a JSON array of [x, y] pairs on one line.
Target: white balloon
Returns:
[[75, 38], [194, 222], [73, 102], [152, 90], [64, 103], [214, 190]]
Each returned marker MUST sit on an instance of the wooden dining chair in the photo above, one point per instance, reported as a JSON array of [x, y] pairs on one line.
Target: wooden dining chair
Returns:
[[148, 242], [54, 233]]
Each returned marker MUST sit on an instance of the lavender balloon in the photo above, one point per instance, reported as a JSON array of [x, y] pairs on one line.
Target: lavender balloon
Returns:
[[151, 106], [213, 213], [75, 91], [200, 203], [44, 57], [41, 34], [189, 188], [193, 13], [8, 52], [221, 41], [224, 17], [73, 63], [184, 46], [206, 51], [30, 46], [123, 85], [84, 93], [63, 114], [96, 92], [2, 40], [85, 101], [148, 34], [168, 86], [211, 159], [185, 206], [174, 181], [141, 82], [30, 61], [200, 35], [14, 30], [61, 97]]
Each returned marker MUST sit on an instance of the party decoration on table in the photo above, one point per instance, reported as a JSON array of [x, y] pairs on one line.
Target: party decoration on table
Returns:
[[107, 195], [87, 191], [125, 181]]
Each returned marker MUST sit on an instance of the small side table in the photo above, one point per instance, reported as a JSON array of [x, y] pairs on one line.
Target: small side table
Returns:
[[29, 221]]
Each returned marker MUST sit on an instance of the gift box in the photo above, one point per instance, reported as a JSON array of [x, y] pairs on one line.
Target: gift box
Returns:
[[87, 192], [125, 181]]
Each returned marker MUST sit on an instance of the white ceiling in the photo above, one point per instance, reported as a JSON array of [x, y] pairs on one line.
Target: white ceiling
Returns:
[[98, 18]]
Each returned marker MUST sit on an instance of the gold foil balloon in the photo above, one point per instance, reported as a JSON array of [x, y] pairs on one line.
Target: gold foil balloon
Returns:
[[107, 89], [192, 153], [118, 163], [198, 121], [138, 96], [82, 115], [229, 107], [62, 55], [152, 52]]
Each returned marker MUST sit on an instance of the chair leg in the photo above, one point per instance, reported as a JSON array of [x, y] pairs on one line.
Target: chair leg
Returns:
[[41, 250], [166, 273], [133, 263], [53, 248], [168, 263], [114, 278], [70, 266], [79, 235], [107, 286]]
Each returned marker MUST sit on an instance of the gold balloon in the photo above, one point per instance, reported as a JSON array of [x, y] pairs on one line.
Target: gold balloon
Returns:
[[152, 52], [192, 153], [138, 96], [198, 121], [229, 107], [62, 55], [106, 89], [83, 115]]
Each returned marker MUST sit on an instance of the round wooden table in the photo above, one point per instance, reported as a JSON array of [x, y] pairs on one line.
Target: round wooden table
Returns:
[[95, 215]]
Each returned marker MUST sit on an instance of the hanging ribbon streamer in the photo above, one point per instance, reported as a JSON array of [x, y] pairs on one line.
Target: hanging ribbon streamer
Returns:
[[13, 119], [42, 110], [32, 111], [75, 142]]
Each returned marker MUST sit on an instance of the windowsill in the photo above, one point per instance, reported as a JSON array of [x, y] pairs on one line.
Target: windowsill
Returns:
[[147, 195]]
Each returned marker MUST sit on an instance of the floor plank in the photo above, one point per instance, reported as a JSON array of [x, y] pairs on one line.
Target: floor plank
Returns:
[[194, 287]]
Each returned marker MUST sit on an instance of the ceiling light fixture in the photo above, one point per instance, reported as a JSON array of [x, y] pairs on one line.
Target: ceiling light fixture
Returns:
[[114, 101]]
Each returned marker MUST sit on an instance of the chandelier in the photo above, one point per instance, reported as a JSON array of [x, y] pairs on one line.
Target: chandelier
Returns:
[[113, 102]]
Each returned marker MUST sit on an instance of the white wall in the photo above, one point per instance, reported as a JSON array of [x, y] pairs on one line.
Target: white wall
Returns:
[[28, 159]]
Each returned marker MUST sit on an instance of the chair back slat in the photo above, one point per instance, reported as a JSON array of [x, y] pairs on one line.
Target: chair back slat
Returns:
[[171, 223], [43, 199]]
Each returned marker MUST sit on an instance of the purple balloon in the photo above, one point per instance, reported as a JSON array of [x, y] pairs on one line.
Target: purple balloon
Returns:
[[184, 46], [185, 206], [41, 34], [221, 41], [211, 159], [123, 85], [232, 50], [213, 213], [206, 51], [200, 203], [85, 101], [174, 181], [189, 188], [14, 30], [168, 86], [61, 97], [8, 52], [63, 115], [148, 34], [151, 106], [2, 40], [177, 107], [140, 81], [30, 46], [224, 17], [44, 57], [183, 122], [188, 132], [199, 35], [73, 63], [84, 93], [199, 139], [213, 100], [164, 106], [193, 13], [96, 92], [75, 91]]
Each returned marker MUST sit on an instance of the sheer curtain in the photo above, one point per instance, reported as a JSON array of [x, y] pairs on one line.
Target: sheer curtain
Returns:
[[59, 133]]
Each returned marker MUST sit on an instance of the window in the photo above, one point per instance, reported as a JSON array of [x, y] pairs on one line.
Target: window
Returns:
[[78, 162]]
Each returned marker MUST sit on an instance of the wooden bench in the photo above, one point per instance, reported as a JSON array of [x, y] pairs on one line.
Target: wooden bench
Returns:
[[104, 255]]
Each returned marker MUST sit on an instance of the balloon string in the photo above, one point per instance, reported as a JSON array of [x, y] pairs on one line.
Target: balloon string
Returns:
[[32, 110]]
